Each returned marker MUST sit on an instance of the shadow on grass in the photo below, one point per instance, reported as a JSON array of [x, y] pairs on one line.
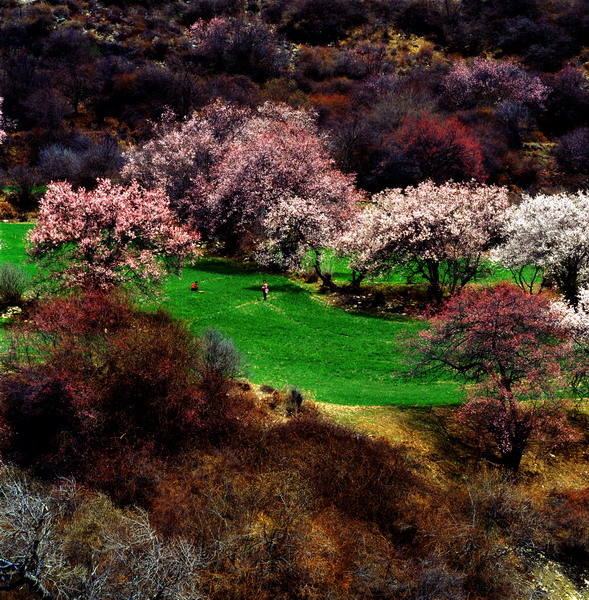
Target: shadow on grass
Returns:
[[221, 266], [285, 287]]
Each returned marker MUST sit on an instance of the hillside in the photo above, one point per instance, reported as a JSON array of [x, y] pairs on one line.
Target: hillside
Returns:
[[294, 300]]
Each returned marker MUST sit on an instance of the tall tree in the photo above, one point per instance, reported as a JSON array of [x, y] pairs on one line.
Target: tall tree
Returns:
[[510, 346]]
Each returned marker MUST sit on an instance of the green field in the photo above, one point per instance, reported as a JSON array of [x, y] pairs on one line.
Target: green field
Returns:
[[296, 337]]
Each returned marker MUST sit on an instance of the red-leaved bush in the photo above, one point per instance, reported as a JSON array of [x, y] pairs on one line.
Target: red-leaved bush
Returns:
[[443, 149], [90, 374], [510, 346]]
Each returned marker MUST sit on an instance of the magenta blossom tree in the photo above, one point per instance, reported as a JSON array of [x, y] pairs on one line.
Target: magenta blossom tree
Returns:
[[110, 236], [508, 345]]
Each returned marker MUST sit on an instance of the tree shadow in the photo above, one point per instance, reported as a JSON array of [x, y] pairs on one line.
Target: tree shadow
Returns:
[[221, 266], [285, 287]]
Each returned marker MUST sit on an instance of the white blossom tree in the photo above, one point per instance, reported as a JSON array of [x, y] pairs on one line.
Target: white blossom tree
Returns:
[[575, 319], [551, 233]]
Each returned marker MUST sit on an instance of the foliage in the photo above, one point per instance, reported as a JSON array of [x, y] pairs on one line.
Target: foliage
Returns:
[[437, 232], [220, 357], [240, 46], [315, 21], [89, 372], [296, 225], [572, 152], [251, 176], [510, 345], [106, 237], [575, 319], [550, 232], [180, 156], [58, 543], [276, 155], [568, 102], [2, 132]]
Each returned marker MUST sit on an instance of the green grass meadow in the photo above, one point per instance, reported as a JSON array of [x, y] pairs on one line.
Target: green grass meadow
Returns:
[[296, 337]]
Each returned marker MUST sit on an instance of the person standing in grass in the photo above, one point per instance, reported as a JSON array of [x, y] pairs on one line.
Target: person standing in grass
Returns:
[[265, 290]]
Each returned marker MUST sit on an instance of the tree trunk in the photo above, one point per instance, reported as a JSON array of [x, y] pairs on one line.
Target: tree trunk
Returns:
[[357, 279], [432, 274], [325, 277], [511, 460]]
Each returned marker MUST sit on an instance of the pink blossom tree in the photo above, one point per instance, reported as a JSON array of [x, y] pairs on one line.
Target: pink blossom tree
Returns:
[[297, 228], [107, 237], [490, 82], [509, 345], [551, 233], [181, 155], [237, 176], [2, 132], [437, 233], [276, 159]]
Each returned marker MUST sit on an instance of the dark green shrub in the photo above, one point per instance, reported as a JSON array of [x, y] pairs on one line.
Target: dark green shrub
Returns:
[[220, 358], [293, 400], [13, 284]]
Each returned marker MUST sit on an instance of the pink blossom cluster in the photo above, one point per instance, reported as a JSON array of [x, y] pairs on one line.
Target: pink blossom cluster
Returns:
[[276, 155], [490, 82], [240, 175], [295, 225], [2, 132], [109, 236], [181, 156]]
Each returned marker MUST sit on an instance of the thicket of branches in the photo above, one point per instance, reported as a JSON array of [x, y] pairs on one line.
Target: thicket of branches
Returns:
[[80, 82]]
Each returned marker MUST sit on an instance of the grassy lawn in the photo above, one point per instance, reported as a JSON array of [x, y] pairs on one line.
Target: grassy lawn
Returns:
[[297, 338], [293, 338]]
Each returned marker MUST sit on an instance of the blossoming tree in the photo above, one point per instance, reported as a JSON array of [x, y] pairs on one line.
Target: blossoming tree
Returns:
[[2, 132], [181, 155], [277, 164], [551, 233], [437, 233], [109, 236], [260, 181], [510, 346], [490, 82]]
